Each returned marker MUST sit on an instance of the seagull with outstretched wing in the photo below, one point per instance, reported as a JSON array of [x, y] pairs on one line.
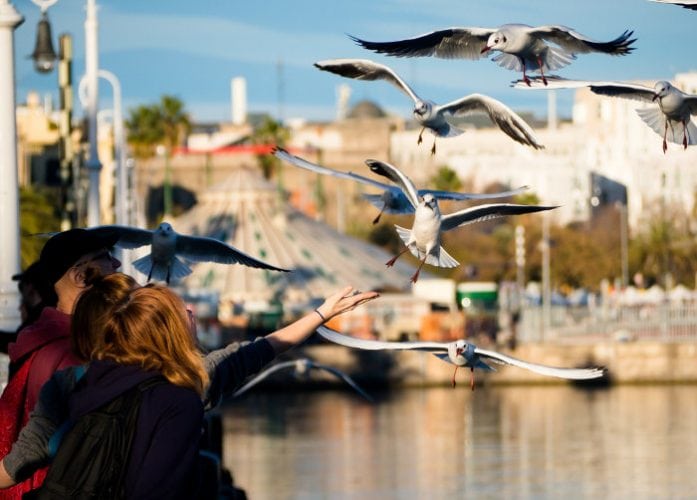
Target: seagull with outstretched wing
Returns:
[[522, 47], [462, 353], [392, 200], [163, 262], [687, 4], [301, 367], [423, 239], [433, 116], [672, 118]]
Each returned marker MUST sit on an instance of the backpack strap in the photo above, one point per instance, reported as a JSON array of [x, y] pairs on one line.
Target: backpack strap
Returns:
[[79, 371]]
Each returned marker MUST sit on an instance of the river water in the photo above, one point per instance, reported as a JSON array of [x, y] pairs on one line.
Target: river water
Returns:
[[625, 442]]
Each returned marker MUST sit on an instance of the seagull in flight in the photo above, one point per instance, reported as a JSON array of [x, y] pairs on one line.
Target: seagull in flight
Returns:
[[670, 119], [163, 262], [423, 239], [688, 4], [521, 47], [302, 367], [431, 115], [392, 200], [461, 353]]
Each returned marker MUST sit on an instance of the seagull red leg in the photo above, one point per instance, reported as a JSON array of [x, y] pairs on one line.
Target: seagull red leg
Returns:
[[420, 139], [391, 262], [433, 149], [665, 133], [684, 135], [454, 373], [539, 62], [472, 378], [525, 77], [418, 270], [377, 219]]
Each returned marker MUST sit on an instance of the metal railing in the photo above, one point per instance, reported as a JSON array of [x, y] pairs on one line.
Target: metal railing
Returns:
[[666, 321]]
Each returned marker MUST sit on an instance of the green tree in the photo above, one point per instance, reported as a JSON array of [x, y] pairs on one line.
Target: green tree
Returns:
[[270, 133], [446, 179], [165, 123], [37, 215]]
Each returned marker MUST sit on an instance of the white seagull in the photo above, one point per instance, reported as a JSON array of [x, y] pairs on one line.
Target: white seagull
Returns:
[[688, 4], [423, 239], [431, 115], [521, 47], [163, 263], [302, 367], [670, 119], [392, 200], [462, 353]]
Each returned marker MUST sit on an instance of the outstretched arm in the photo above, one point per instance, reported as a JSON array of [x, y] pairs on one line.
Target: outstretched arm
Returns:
[[336, 304]]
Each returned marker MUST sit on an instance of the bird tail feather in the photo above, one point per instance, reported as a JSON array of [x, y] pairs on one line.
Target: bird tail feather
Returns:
[[443, 259], [144, 264], [177, 271]]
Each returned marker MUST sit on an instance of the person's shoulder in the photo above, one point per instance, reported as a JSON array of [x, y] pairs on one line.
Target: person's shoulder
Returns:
[[169, 394]]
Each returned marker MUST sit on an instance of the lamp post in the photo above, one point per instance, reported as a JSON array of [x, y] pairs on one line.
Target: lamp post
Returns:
[[94, 166], [9, 190], [44, 57], [122, 184]]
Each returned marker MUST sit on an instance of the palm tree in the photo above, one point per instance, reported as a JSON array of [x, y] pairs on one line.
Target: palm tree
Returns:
[[271, 133], [166, 123]]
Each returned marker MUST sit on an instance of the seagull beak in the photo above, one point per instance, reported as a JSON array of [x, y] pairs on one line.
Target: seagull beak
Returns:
[[655, 96], [485, 49]]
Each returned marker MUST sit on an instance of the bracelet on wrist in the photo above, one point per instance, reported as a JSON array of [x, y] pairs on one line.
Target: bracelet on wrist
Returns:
[[321, 316]]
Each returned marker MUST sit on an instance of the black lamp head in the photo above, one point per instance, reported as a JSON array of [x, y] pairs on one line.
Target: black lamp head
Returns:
[[44, 56]]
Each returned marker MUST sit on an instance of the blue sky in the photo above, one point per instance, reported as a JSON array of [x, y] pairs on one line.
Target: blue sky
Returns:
[[193, 48]]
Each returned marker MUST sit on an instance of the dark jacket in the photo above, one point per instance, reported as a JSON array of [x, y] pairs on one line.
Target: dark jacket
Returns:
[[164, 452]]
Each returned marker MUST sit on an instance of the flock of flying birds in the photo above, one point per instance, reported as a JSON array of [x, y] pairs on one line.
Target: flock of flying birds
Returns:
[[519, 47]]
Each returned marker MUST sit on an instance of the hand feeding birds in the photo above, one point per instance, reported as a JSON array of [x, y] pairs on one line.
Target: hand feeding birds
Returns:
[[462, 353], [432, 116], [671, 118], [522, 47], [163, 262], [392, 200], [423, 239]]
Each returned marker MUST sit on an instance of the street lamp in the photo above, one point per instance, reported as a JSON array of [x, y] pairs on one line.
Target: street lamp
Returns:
[[44, 56]]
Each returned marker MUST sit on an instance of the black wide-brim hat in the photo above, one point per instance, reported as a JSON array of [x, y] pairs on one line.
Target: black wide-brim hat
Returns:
[[65, 249]]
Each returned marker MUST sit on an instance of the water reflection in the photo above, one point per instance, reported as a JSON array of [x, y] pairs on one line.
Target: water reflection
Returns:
[[498, 442]]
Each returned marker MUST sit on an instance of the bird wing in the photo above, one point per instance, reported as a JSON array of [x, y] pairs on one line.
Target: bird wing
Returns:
[[567, 373], [691, 103], [396, 176], [503, 116], [624, 90], [688, 4], [343, 376], [365, 69], [450, 43], [202, 249], [378, 345], [129, 237], [261, 376], [450, 195], [482, 213], [574, 42], [284, 155]]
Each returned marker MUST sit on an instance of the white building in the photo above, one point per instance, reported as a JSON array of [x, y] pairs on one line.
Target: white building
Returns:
[[605, 136]]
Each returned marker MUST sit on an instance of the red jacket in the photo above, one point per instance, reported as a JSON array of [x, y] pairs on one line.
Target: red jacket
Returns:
[[40, 350]]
